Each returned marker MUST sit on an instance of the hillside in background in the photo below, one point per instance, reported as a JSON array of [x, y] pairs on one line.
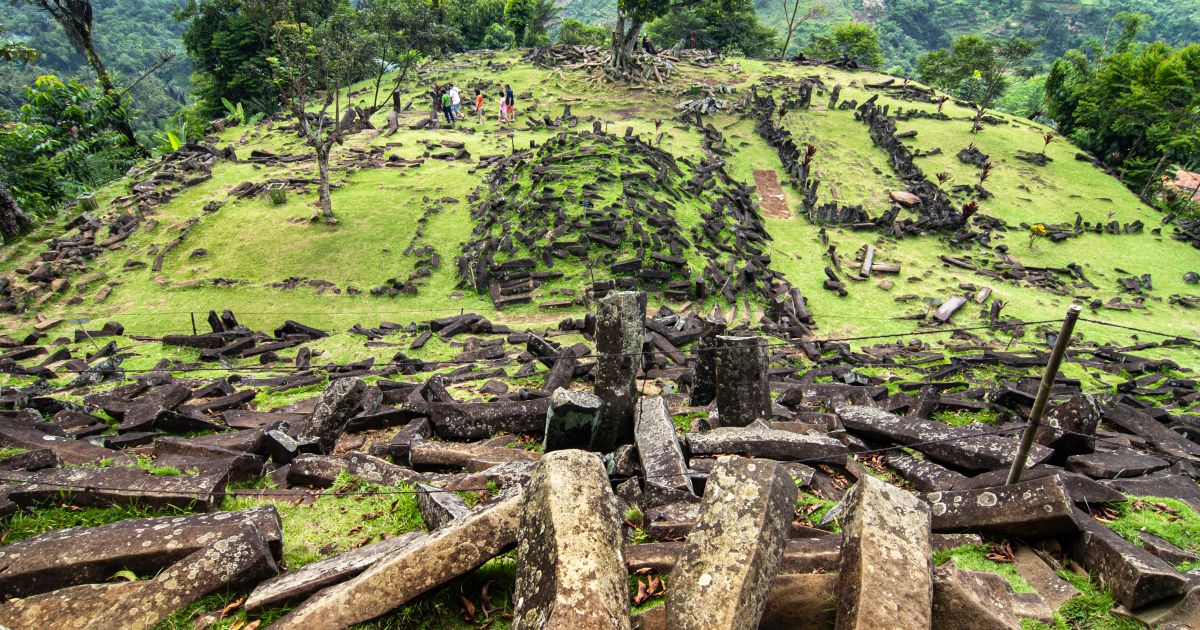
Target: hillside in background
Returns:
[[131, 36], [380, 412]]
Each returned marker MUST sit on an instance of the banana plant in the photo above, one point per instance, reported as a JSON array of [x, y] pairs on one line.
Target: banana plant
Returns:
[[172, 139], [238, 113]]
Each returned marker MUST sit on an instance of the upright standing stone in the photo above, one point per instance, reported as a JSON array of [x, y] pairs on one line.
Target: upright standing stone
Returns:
[[570, 569], [886, 570], [704, 381], [725, 570], [570, 420], [662, 459], [743, 393], [333, 411], [620, 332]]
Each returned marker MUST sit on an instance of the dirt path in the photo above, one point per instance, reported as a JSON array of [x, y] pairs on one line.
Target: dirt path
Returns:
[[770, 195]]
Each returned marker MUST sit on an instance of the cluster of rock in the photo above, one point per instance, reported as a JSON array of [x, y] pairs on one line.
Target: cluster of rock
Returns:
[[935, 210], [536, 209], [157, 182], [717, 501]]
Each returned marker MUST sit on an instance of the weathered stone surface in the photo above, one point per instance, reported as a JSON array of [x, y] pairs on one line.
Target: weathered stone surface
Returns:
[[885, 574], [146, 408], [704, 380], [68, 557], [116, 485], [439, 507], [1163, 548], [620, 331], [950, 445], [571, 420], [230, 562], [570, 572], [389, 583], [69, 607], [1044, 580], [759, 441], [333, 411], [1115, 464], [475, 457], [658, 449], [1135, 576], [21, 434], [743, 393], [1078, 415], [800, 601], [315, 471], [300, 583], [923, 474], [475, 421], [1040, 508], [724, 574], [976, 600]]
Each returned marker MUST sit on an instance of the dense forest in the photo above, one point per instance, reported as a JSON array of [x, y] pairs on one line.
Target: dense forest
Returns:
[[89, 88]]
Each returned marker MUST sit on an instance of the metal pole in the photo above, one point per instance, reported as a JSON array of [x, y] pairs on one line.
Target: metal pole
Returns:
[[1043, 394], [193, 314]]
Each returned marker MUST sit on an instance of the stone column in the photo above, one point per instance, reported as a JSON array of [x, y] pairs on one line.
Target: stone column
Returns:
[[743, 393], [570, 567], [620, 332], [704, 380], [725, 570]]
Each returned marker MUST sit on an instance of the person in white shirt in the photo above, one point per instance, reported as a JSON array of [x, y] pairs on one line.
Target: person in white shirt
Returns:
[[456, 102]]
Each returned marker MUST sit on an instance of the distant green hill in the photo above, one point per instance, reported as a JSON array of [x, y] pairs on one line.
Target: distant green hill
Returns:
[[210, 246]]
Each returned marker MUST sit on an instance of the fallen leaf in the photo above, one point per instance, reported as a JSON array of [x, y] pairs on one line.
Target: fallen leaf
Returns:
[[468, 607], [253, 625], [641, 594], [125, 574], [233, 605]]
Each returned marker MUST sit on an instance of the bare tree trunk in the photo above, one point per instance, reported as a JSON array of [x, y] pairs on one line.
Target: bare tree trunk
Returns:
[[323, 199], [791, 26], [13, 221], [624, 43]]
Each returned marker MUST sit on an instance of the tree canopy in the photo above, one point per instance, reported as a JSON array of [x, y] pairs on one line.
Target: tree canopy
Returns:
[[856, 40]]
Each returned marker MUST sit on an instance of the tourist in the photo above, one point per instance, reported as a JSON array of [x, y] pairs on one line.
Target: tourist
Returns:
[[479, 105], [648, 45], [510, 103], [455, 102], [437, 103], [503, 109], [448, 108]]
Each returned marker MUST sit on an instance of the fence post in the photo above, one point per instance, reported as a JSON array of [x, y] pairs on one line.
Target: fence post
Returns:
[[193, 314], [1043, 394]]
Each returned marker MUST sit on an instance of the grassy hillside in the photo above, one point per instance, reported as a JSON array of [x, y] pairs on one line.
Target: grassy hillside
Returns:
[[252, 247]]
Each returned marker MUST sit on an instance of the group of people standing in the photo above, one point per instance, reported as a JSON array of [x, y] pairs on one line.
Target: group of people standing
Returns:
[[448, 101]]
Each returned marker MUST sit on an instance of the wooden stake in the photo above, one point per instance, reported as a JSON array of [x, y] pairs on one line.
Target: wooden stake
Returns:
[[1043, 395]]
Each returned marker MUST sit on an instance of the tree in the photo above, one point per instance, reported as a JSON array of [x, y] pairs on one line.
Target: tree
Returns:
[[75, 18], [855, 40], [793, 19], [975, 64], [62, 141], [1137, 110], [572, 32], [315, 62], [528, 20], [394, 35], [632, 16], [725, 25], [472, 20], [11, 51]]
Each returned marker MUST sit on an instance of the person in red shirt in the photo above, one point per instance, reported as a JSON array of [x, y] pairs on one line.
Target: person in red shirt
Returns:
[[479, 105]]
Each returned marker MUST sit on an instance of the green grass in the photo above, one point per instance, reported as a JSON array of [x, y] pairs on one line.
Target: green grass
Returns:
[[1169, 519], [811, 509], [147, 464], [11, 451], [963, 417], [974, 558], [28, 523], [1091, 609], [332, 524]]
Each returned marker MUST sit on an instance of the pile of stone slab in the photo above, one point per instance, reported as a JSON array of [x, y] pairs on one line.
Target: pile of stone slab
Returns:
[[551, 206], [670, 446]]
